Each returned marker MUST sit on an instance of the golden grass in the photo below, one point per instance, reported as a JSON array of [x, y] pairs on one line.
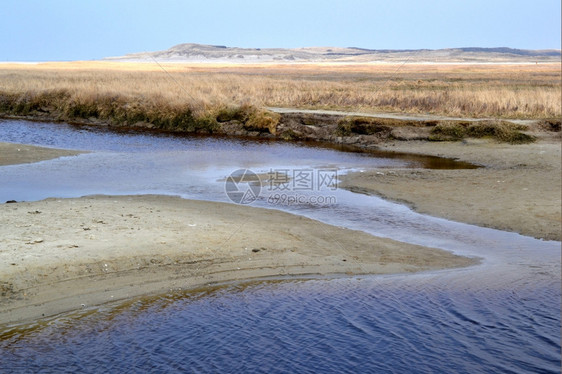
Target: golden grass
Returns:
[[129, 92]]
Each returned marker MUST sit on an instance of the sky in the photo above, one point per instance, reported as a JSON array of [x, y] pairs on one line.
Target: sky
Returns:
[[60, 30]]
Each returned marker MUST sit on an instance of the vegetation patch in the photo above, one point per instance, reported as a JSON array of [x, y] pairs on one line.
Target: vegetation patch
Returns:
[[551, 124], [370, 125], [449, 130], [499, 130], [122, 110], [231, 113], [261, 120]]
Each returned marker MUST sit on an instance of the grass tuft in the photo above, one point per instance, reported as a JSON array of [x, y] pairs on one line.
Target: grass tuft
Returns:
[[551, 124], [369, 125], [448, 131], [501, 131], [262, 120]]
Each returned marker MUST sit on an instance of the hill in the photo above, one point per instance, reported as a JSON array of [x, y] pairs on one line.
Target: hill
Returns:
[[190, 52]]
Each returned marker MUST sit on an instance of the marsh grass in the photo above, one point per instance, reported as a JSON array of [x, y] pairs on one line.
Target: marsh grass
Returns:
[[499, 130], [202, 97], [261, 120], [449, 131], [440, 130], [370, 126]]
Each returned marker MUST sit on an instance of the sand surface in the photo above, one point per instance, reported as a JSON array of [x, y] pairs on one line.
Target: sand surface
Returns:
[[11, 153], [519, 189], [63, 254]]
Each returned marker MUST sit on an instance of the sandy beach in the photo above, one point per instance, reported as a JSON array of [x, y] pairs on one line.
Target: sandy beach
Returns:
[[517, 189]]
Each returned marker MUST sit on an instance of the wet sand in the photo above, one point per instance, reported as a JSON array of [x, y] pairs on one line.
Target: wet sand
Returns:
[[518, 189]]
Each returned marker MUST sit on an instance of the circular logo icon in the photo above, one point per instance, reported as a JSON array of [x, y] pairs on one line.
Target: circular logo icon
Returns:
[[243, 186]]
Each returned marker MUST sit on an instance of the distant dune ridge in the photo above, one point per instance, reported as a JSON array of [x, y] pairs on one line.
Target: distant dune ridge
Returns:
[[190, 52]]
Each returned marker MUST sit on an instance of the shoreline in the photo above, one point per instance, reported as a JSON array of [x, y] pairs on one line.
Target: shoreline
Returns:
[[361, 130], [60, 255]]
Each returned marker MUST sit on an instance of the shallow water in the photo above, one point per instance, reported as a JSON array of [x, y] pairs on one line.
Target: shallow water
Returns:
[[384, 324], [501, 316]]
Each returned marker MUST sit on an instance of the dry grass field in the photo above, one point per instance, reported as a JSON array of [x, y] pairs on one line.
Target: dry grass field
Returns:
[[193, 96]]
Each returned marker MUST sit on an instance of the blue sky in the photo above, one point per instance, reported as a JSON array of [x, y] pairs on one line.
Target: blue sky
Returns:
[[41, 30]]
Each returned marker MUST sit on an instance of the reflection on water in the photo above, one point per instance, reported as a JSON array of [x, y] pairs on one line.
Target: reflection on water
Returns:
[[501, 316]]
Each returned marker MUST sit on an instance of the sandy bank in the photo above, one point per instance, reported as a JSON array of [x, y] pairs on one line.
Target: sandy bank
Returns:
[[518, 190], [59, 254], [11, 153]]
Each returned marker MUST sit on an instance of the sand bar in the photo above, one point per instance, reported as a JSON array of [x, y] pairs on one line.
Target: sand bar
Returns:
[[12, 153], [58, 255]]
